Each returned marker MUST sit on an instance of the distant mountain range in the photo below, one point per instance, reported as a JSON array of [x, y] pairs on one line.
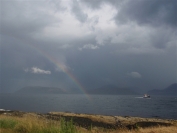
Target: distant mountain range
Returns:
[[112, 90], [170, 90], [105, 90]]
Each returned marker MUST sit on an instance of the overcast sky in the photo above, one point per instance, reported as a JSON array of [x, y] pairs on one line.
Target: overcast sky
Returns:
[[88, 43]]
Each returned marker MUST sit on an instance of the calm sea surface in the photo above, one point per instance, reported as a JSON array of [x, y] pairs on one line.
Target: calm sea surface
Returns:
[[126, 105]]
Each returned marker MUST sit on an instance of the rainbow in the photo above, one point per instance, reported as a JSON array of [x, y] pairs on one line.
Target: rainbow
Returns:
[[62, 67], [67, 72]]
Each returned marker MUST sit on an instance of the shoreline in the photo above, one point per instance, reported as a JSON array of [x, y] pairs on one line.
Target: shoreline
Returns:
[[100, 121]]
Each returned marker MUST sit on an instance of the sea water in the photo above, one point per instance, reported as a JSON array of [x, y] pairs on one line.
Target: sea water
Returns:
[[122, 105]]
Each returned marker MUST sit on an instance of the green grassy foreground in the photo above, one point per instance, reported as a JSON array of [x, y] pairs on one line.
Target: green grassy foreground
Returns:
[[33, 123]]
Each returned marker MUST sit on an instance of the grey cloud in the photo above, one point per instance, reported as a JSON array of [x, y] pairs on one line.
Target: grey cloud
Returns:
[[56, 5], [80, 15], [24, 18], [92, 22], [109, 50], [65, 46], [163, 38], [20, 53], [154, 28], [89, 46], [134, 75], [95, 4], [158, 12]]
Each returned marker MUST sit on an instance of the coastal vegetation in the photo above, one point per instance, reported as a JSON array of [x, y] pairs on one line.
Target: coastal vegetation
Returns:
[[31, 124], [35, 123]]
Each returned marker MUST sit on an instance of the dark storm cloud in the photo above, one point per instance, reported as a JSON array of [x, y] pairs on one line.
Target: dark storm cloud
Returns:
[[125, 42], [24, 18], [80, 15], [95, 4], [162, 38], [141, 11], [96, 67], [158, 12]]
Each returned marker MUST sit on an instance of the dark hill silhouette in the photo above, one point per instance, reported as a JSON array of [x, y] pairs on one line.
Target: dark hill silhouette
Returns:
[[170, 90], [112, 90], [41, 90]]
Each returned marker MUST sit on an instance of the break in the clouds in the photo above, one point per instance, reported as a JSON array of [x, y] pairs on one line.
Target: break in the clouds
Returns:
[[95, 42], [37, 70]]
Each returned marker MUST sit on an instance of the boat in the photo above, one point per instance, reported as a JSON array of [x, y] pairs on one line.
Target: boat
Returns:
[[146, 96]]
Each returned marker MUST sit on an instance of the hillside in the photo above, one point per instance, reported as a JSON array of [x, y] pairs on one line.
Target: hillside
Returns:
[[41, 90], [112, 90], [169, 91]]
